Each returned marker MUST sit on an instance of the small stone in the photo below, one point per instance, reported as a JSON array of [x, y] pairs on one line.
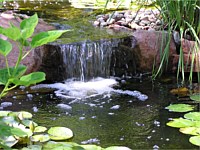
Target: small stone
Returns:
[[128, 20], [144, 18], [147, 12], [151, 29], [64, 106], [145, 22], [141, 24], [137, 21], [110, 21], [158, 22], [103, 24], [115, 107], [96, 23]]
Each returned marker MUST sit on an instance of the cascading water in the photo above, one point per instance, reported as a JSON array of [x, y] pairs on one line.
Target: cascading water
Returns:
[[87, 60]]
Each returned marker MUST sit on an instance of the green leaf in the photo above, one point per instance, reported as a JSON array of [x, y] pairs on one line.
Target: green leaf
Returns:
[[54, 145], [5, 47], [28, 25], [190, 130], [46, 37], [10, 141], [29, 79], [40, 138], [193, 116], [91, 147], [4, 76], [60, 133], [195, 97], [117, 148], [180, 107], [12, 32], [39, 129], [180, 123], [33, 147], [4, 113], [195, 140]]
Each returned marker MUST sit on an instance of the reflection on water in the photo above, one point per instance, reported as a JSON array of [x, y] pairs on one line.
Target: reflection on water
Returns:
[[116, 119]]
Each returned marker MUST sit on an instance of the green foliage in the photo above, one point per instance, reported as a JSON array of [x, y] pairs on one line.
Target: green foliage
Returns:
[[12, 77], [180, 107], [182, 16], [14, 131]]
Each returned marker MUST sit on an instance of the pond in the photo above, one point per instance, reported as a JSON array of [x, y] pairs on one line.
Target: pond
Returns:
[[109, 118]]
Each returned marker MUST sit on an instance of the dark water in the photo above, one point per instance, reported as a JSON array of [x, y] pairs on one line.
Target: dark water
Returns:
[[136, 124]]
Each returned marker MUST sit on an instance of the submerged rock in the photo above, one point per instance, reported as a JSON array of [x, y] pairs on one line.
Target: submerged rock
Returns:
[[6, 104]]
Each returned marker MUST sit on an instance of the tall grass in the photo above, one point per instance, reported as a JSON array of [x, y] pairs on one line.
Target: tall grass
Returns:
[[184, 17]]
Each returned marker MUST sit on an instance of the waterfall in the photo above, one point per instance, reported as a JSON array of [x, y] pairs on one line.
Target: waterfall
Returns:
[[86, 60]]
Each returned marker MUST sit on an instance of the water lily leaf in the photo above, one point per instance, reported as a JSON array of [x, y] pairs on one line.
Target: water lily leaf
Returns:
[[193, 116], [4, 113], [9, 120], [28, 25], [39, 129], [40, 138], [46, 37], [180, 107], [10, 141], [28, 122], [117, 148], [5, 47], [60, 133], [33, 147], [53, 145], [91, 147], [190, 130], [195, 140], [195, 97], [181, 123], [25, 115]]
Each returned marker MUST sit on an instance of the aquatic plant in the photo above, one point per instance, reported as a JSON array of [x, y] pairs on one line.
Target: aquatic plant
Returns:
[[18, 129], [181, 16], [190, 123], [11, 77]]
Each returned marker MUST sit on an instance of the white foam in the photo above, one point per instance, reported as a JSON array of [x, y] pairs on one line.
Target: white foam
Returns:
[[78, 90]]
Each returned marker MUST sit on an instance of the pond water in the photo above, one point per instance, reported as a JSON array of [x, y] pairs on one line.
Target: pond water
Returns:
[[109, 118], [106, 118]]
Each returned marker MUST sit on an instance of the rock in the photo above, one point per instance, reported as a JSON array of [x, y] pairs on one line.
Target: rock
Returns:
[[6, 104], [96, 23], [148, 48]]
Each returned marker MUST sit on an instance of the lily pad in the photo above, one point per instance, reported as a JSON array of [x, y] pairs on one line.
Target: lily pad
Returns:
[[60, 133], [10, 141], [39, 129], [40, 138], [193, 116], [181, 123], [190, 130], [33, 147], [195, 140], [180, 107], [195, 97], [117, 148], [54, 145], [4, 113], [25, 115], [91, 147]]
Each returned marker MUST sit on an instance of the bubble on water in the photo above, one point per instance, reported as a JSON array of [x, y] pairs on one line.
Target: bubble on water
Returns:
[[156, 122], [35, 109], [92, 105], [14, 97], [64, 106], [121, 139], [148, 137], [6, 104], [81, 118], [93, 117], [30, 96], [167, 139], [115, 107], [111, 113], [155, 147], [153, 131], [91, 141]]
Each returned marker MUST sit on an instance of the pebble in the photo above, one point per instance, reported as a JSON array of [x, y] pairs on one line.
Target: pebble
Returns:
[[64, 106], [144, 19]]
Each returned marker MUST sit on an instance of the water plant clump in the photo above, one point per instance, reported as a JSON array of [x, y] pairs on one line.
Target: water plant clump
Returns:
[[13, 76], [18, 129]]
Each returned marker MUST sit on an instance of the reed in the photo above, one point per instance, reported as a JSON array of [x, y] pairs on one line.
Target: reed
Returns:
[[182, 16]]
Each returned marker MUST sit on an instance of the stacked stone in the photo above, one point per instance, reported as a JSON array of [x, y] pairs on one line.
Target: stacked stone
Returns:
[[145, 19]]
